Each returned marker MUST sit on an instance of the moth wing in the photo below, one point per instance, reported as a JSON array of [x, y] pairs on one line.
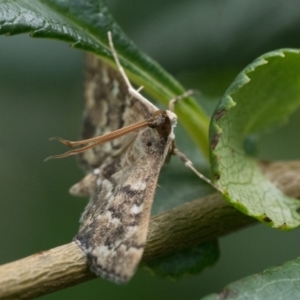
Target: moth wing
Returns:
[[124, 174], [108, 107], [114, 225]]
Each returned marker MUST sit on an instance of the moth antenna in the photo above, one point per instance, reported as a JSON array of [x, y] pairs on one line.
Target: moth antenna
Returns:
[[189, 164], [73, 152], [133, 92], [66, 142], [97, 140], [105, 137], [180, 97]]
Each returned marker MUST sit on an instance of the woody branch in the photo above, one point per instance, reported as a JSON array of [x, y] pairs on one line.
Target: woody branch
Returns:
[[187, 225]]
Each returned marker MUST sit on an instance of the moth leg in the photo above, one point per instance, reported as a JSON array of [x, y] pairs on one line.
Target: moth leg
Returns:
[[136, 93], [139, 89], [133, 92], [180, 97], [189, 164]]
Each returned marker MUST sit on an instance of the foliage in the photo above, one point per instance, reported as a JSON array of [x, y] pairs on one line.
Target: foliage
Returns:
[[261, 98]]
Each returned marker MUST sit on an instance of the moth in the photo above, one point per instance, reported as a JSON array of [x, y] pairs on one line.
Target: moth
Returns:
[[126, 141]]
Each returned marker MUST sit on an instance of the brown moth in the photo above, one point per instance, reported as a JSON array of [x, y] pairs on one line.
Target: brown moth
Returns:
[[114, 225], [126, 141]]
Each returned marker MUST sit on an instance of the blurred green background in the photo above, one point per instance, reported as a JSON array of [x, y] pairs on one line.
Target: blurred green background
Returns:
[[202, 43]]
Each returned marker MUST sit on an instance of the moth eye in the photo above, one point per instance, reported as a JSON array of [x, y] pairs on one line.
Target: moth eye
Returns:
[[149, 143], [165, 129]]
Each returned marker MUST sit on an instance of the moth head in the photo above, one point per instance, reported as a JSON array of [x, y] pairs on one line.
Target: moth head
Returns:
[[165, 121], [173, 117]]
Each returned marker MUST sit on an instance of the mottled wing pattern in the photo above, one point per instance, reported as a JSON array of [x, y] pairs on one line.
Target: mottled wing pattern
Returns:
[[108, 106], [114, 225]]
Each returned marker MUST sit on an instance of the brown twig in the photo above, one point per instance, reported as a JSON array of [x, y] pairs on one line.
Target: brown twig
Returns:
[[189, 224]]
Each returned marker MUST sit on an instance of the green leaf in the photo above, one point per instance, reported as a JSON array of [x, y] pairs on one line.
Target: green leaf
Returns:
[[274, 283], [190, 261], [84, 24], [262, 97]]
